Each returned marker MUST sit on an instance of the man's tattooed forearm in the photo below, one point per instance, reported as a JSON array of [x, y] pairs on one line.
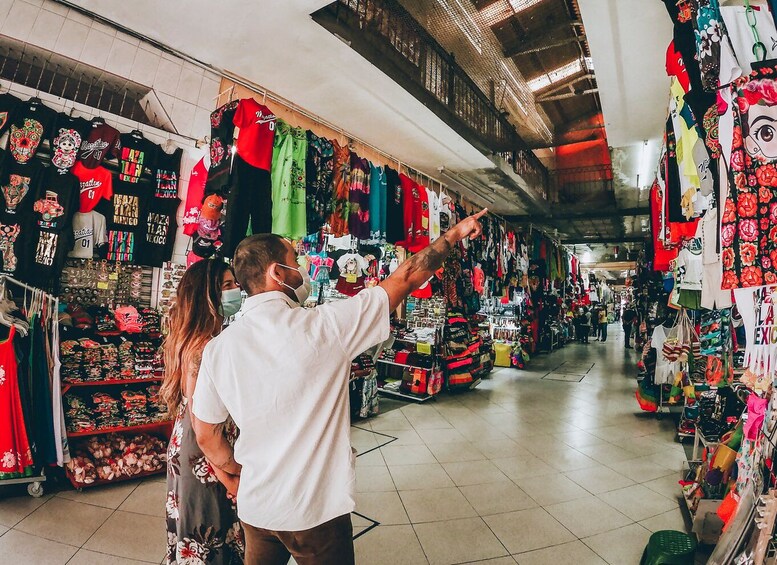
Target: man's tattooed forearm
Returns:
[[430, 258]]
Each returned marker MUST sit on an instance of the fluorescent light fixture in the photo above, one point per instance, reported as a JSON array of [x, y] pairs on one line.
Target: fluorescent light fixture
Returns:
[[587, 257], [644, 179], [462, 17], [556, 75]]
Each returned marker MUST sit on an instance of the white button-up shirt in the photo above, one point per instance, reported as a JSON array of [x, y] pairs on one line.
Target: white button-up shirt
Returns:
[[282, 372]]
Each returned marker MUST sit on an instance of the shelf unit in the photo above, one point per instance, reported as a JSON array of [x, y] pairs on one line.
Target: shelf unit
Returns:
[[120, 429], [109, 382]]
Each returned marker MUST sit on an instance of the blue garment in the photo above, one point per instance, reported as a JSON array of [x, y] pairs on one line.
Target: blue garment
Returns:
[[377, 204]]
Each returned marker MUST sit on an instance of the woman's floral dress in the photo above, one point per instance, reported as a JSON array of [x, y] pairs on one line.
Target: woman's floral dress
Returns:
[[202, 523]]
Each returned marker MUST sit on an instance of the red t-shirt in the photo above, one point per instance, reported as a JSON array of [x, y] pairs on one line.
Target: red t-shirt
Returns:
[[96, 183], [99, 142], [410, 200], [194, 197], [420, 221], [257, 133]]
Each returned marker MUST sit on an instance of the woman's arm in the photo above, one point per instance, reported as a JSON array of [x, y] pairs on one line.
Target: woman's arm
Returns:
[[214, 445]]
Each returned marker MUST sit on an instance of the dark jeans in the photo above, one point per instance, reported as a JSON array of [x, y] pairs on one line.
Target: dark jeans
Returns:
[[603, 331], [584, 331], [627, 334], [330, 543], [250, 198]]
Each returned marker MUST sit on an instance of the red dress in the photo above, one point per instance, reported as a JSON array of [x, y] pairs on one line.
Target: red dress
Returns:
[[15, 456]]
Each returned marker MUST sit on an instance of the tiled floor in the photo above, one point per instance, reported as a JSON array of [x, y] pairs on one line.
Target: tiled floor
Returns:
[[523, 469]]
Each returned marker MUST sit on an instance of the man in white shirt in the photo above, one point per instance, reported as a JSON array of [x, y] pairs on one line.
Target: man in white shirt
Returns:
[[281, 372]]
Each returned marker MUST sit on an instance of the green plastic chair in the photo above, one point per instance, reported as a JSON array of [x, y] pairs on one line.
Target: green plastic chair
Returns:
[[669, 547]]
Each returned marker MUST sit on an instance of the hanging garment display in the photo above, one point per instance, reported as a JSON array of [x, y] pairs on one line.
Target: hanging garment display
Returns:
[[359, 198], [749, 218], [395, 226], [137, 154], [288, 181], [16, 459], [167, 168], [222, 131], [101, 141], [378, 201], [89, 234], [341, 180], [708, 28], [31, 123], [258, 126], [96, 185], [66, 140], [19, 184], [159, 229], [195, 194], [758, 308], [352, 268], [8, 103], [250, 199], [318, 178]]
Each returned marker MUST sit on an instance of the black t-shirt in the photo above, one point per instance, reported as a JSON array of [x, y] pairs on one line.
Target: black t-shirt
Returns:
[[395, 224], [30, 124], [136, 155], [222, 133], [66, 139], [8, 103], [18, 188], [167, 172], [160, 229], [56, 203], [128, 206]]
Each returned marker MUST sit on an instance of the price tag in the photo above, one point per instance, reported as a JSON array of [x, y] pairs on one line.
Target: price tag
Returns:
[[113, 276], [102, 285], [423, 347], [350, 278]]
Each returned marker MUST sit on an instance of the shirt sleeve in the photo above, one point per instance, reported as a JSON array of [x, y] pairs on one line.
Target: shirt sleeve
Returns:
[[239, 116], [100, 235], [207, 404], [359, 322]]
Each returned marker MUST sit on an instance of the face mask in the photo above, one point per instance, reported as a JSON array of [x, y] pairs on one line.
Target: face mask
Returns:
[[302, 292], [231, 301]]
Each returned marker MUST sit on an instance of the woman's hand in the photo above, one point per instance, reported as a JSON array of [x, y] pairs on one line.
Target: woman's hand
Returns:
[[230, 481]]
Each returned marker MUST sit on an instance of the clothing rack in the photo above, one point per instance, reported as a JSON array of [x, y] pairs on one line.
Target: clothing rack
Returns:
[[34, 483]]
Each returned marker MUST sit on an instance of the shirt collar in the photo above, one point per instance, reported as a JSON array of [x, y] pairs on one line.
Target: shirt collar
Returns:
[[264, 297]]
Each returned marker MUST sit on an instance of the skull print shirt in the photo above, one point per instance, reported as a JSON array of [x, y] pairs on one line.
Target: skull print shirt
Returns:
[[29, 125]]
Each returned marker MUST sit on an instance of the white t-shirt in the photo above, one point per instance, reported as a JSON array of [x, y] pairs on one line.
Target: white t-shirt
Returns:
[[689, 260], [89, 232], [737, 63], [434, 215], [665, 370], [282, 372]]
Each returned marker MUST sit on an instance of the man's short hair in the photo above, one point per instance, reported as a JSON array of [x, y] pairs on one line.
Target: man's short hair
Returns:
[[254, 255]]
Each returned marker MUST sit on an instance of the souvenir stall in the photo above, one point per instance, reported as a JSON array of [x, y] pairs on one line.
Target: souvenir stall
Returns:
[[706, 286]]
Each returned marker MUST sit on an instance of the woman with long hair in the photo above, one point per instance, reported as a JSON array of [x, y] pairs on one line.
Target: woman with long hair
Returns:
[[202, 523]]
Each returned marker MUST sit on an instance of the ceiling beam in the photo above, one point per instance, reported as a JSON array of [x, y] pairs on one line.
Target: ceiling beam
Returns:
[[591, 215], [546, 46], [518, 47], [609, 240], [544, 99], [562, 85]]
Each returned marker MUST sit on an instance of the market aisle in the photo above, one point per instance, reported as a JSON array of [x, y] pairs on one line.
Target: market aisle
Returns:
[[546, 470]]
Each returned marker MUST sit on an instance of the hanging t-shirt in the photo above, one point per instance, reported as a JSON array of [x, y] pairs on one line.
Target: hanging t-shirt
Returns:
[[89, 233], [8, 103], [377, 204], [12, 244], [96, 184], [166, 173], [222, 131], [434, 215], [446, 212], [395, 225], [101, 140], [410, 202], [288, 182], [359, 198], [420, 219], [66, 139], [122, 246], [30, 124], [257, 133], [341, 180], [160, 228], [195, 194], [318, 176], [690, 265], [19, 185], [758, 308], [55, 204], [135, 155], [129, 205]]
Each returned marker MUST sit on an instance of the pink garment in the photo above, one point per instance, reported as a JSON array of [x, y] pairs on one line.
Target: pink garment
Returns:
[[756, 409], [195, 193]]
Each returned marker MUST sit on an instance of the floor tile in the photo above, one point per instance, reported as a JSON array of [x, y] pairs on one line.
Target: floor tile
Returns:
[[573, 552], [518, 468], [671, 520], [370, 459], [86, 557], [624, 545], [458, 541], [638, 502], [420, 477], [108, 496], [567, 459], [113, 537], [527, 530], [383, 507], [497, 498], [641, 470], [466, 473], [21, 548], [578, 438], [599, 479], [434, 436], [407, 455], [434, 505], [496, 561], [405, 437], [501, 449], [16, 508], [552, 489], [392, 545], [455, 452], [588, 516], [64, 521], [373, 479], [149, 498], [607, 453]]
